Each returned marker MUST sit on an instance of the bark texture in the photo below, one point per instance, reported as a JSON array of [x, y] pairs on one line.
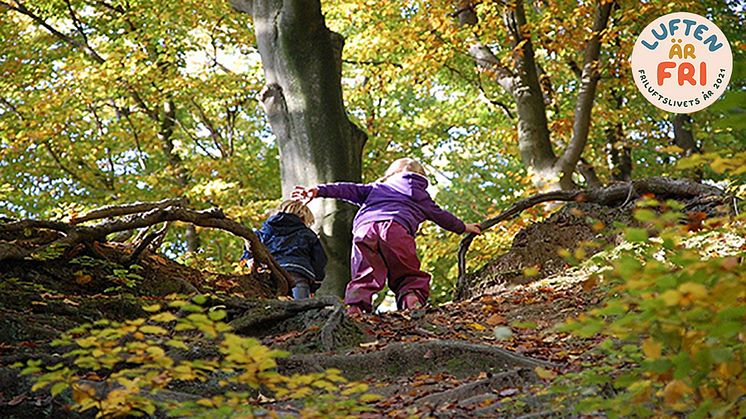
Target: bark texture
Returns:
[[303, 100]]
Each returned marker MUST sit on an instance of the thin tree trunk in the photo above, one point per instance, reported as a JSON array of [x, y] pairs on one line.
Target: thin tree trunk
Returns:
[[590, 75], [683, 137], [176, 164], [619, 154], [521, 82], [303, 100]]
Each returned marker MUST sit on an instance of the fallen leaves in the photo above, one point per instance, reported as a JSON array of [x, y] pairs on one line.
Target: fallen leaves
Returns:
[[495, 320]]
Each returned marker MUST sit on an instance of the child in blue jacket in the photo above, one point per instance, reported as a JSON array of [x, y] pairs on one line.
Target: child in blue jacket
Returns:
[[294, 246]]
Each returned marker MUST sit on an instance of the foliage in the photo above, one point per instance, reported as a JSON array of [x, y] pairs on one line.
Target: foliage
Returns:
[[136, 367], [674, 320]]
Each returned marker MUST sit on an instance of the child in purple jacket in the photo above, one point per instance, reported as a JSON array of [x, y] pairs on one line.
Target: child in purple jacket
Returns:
[[383, 246]]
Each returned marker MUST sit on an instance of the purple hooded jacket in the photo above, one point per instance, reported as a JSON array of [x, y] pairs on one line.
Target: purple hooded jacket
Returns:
[[402, 198]]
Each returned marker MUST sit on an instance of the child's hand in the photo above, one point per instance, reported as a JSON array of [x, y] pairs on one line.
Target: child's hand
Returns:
[[472, 228], [304, 194]]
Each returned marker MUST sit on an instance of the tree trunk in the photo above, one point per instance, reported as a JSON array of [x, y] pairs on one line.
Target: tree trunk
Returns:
[[619, 154], [533, 128], [165, 135], [683, 137], [584, 103], [522, 82], [303, 100]]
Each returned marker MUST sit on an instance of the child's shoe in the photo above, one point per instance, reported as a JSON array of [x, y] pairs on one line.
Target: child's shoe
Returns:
[[354, 311], [411, 302]]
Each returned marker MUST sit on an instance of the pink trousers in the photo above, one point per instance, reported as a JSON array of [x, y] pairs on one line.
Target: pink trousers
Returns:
[[385, 250]]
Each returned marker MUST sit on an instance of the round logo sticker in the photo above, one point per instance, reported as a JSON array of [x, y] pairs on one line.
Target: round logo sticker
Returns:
[[681, 62]]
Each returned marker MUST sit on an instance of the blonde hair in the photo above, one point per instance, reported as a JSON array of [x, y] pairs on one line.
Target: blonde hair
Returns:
[[403, 165], [298, 208]]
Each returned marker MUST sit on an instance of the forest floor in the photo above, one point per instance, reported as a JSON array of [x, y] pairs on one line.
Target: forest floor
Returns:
[[490, 354], [485, 356], [520, 319]]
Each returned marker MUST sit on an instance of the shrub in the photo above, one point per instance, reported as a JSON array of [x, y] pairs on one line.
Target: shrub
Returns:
[[136, 367], [674, 318]]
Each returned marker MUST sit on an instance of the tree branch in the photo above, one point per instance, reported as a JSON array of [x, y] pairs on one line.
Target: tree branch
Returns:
[[127, 209], [613, 194], [21, 8], [76, 234]]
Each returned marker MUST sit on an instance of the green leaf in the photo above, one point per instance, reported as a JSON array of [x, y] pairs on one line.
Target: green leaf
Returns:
[[217, 315], [636, 235]]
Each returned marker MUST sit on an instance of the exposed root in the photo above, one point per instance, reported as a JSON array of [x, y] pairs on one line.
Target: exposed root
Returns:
[[398, 359], [465, 392], [261, 315], [328, 332], [60, 238]]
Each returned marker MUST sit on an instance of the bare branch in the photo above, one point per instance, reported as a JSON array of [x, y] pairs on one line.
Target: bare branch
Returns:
[[66, 169], [127, 209], [77, 23], [77, 234], [613, 194], [145, 243]]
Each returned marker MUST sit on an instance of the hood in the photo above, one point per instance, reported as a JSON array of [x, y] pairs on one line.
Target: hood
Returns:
[[283, 223], [408, 183]]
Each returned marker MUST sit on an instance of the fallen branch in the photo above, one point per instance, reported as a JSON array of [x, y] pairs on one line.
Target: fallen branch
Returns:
[[126, 209], [616, 193], [154, 213]]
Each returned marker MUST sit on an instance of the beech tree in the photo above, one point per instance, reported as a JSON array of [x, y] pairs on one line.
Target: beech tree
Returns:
[[302, 62]]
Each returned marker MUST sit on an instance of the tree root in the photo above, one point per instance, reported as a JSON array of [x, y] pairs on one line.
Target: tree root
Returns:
[[399, 359], [258, 316], [328, 332], [614, 194], [464, 392]]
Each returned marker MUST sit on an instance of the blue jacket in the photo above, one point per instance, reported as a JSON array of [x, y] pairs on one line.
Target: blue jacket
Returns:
[[293, 245]]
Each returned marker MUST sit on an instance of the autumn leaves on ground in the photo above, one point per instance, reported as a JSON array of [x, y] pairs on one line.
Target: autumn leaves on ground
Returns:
[[160, 338]]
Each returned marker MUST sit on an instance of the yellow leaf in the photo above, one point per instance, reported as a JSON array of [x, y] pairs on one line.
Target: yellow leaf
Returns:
[[531, 271], [82, 392], [477, 326], [652, 348], [674, 391], [152, 308], [164, 317], [544, 373], [671, 297], [153, 330], [695, 291]]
